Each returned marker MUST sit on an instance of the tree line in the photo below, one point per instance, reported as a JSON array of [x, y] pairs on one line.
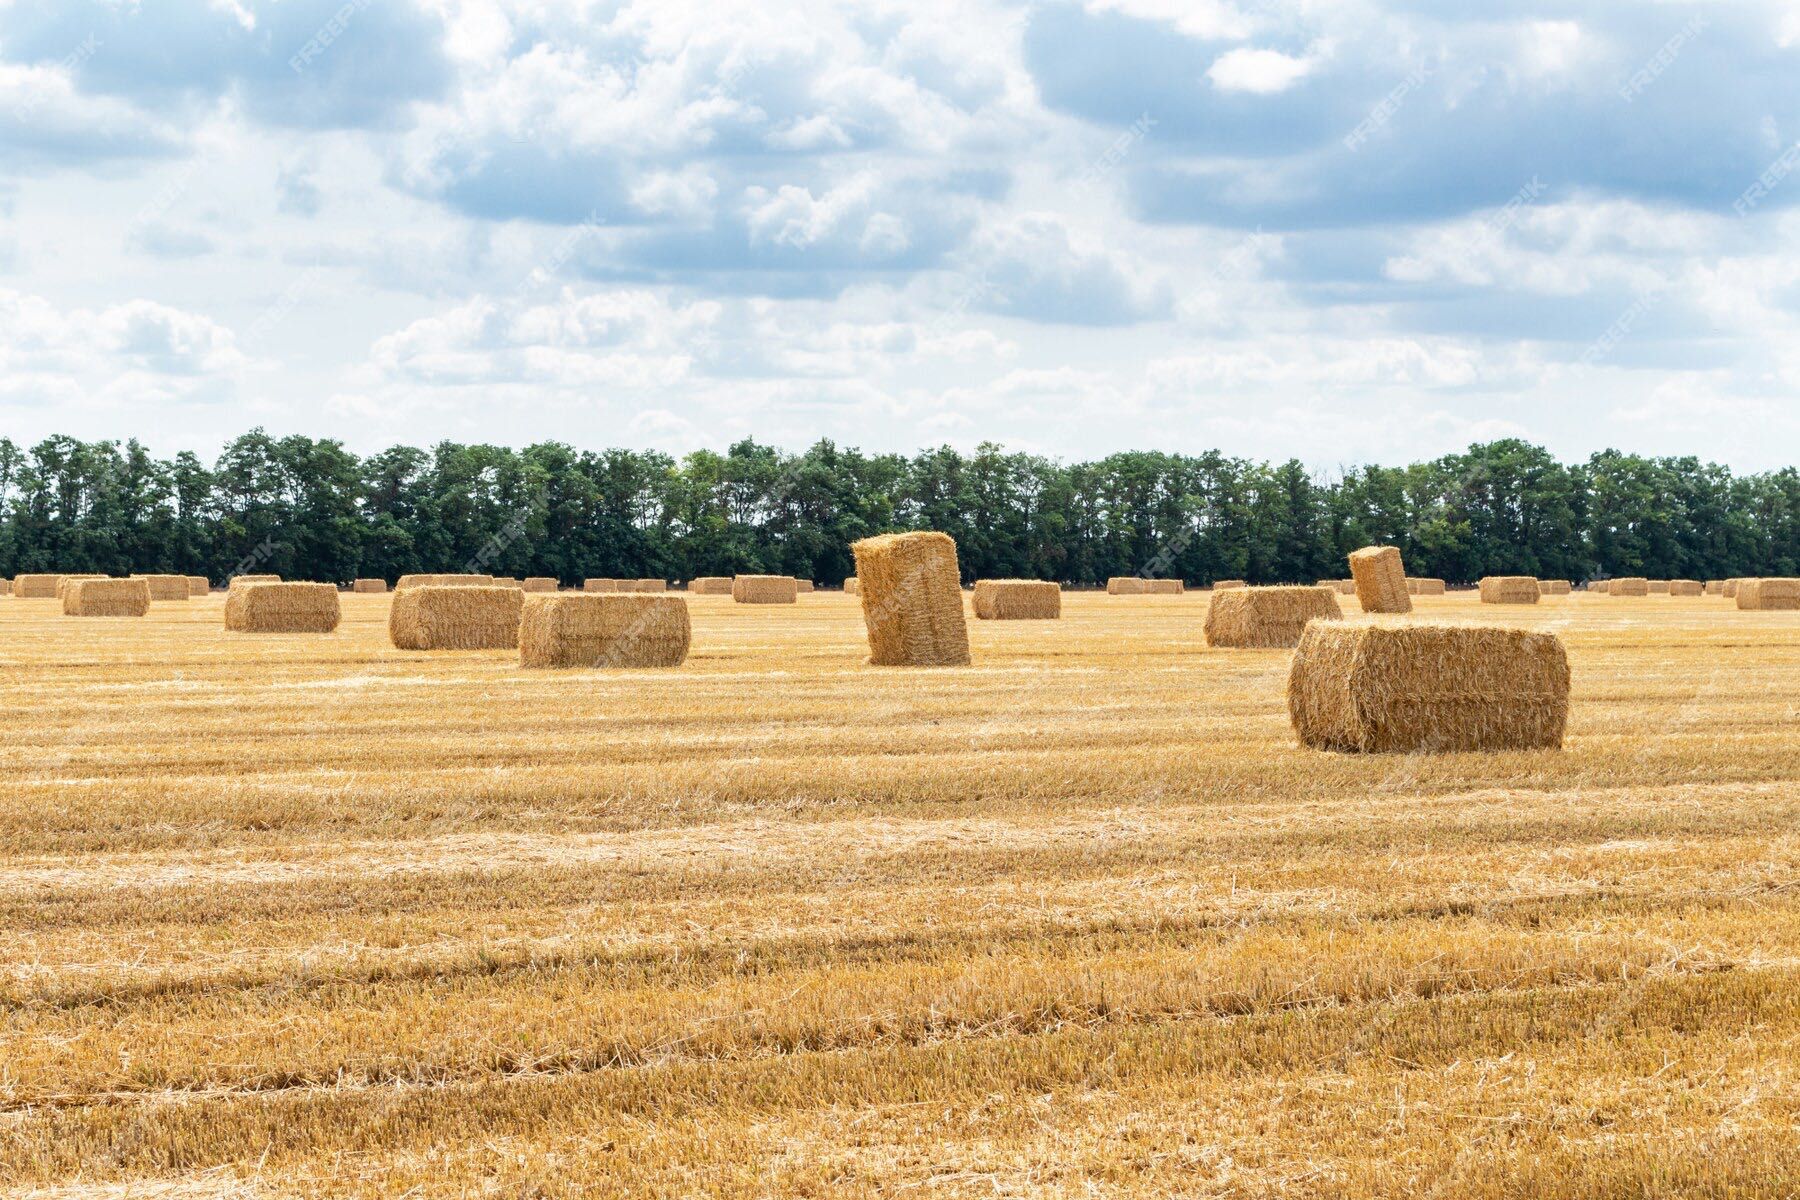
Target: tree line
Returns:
[[310, 509]]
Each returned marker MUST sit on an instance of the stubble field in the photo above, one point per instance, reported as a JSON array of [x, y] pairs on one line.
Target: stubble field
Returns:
[[311, 916]]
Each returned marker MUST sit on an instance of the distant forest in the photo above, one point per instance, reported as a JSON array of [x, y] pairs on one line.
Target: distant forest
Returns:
[[309, 509]]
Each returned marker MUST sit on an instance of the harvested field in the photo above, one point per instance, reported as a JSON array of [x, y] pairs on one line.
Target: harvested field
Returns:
[[317, 917]]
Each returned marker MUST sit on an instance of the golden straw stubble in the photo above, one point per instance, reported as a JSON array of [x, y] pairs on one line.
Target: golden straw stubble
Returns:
[[604, 630]]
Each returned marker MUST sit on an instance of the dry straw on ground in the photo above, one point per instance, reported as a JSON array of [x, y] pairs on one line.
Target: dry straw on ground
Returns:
[[1017, 600], [1266, 617], [241, 580], [167, 587], [1428, 688], [912, 600], [455, 617], [1164, 587], [1127, 585], [853, 586], [101, 597], [1768, 594], [710, 585], [282, 608], [1555, 587], [1628, 585], [428, 580], [1686, 587], [1509, 589], [764, 589], [540, 583], [369, 587], [1380, 580], [199, 585], [583, 629]]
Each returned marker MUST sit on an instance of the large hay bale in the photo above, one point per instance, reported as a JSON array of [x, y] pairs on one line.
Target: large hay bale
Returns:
[[764, 589], [1768, 594], [64, 581], [1127, 585], [199, 585], [1221, 585], [540, 583], [1409, 688], [603, 585], [167, 587], [406, 582], [1164, 587], [1656, 587], [1017, 600], [369, 587], [455, 617], [853, 586], [1267, 617], [102, 597], [282, 608], [605, 630], [912, 600], [1425, 586], [1509, 589], [1555, 587], [1628, 585], [1380, 580], [711, 585], [1686, 587], [35, 587]]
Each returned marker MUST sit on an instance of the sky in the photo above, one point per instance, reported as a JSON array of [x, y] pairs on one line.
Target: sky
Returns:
[[1344, 232]]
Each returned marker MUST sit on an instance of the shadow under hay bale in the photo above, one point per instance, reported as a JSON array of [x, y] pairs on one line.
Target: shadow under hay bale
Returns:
[[369, 587], [1380, 579], [710, 585], [912, 600], [1267, 618], [1768, 595], [167, 587], [1628, 585], [1509, 589], [1428, 688], [1127, 585], [765, 589], [102, 597], [282, 608], [1017, 600], [455, 617], [602, 630]]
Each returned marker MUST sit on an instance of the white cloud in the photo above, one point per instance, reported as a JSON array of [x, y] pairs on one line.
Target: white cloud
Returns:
[[1260, 72]]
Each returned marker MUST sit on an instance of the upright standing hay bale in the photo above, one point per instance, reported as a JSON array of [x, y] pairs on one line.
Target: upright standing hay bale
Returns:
[[1509, 589], [602, 585], [102, 597], [64, 582], [540, 583], [1428, 688], [1555, 587], [199, 585], [1164, 587], [1267, 617], [606, 630], [765, 589], [1222, 585], [455, 617], [710, 585], [912, 600], [1628, 585], [1768, 595], [35, 587], [428, 580], [1380, 580], [282, 608], [1686, 587], [853, 586], [369, 587], [1127, 585], [1656, 587], [1017, 600], [167, 587]]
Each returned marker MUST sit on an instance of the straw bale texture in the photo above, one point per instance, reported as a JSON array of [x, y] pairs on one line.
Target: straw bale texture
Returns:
[[803, 586], [1380, 580], [1017, 600], [1628, 585], [1768, 594], [853, 586], [1127, 585], [912, 600], [1164, 587], [199, 585], [1715, 587], [35, 587], [1657, 587], [1509, 589], [764, 589], [649, 586], [239, 580], [1267, 617], [428, 580], [1729, 588], [1425, 587], [455, 617], [711, 585], [584, 629], [5, 587], [1428, 688], [370, 587], [540, 583], [1555, 587], [1220, 585], [167, 587], [282, 608], [601, 585], [63, 582], [1686, 587], [102, 597]]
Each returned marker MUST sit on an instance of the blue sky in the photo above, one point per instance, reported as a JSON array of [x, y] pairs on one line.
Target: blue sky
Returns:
[[1344, 232]]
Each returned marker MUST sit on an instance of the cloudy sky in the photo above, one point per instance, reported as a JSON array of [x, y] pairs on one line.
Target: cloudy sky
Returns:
[[1344, 231]]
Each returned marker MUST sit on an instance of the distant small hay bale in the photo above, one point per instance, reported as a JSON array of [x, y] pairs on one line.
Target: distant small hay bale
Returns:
[[407, 582], [1411, 688], [647, 586], [1222, 585], [282, 608], [601, 585], [710, 585], [1715, 587], [603, 630], [1768, 595], [167, 587], [1267, 617], [765, 589], [1380, 580], [241, 580], [63, 582], [369, 587], [804, 586], [199, 585], [912, 600], [1127, 585], [1164, 587], [1425, 586], [541, 583], [1555, 587], [853, 586], [1686, 587], [1509, 589], [5, 587], [35, 587], [1729, 587], [102, 597], [455, 617], [1657, 587], [1628, 585], [1017, 600]]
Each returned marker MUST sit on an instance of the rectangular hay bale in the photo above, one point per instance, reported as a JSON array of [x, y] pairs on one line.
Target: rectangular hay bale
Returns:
[[35, 586], [103, 597], [199, 585], [541, 583], [369, 587], [282, 608], [241, 580], [710, 585], [1380, 580], [853, 586], [455, 617], [912, 600], [1555, 587], [765, 589], [1017, 600], [1768, 595], [1656, 587], [1164, 587], [602, 585], [603, 630], [64, 582], [424, 579], [167, 587], [1686, 587], [1127, 585], [1221, 585], [1628, 585], [1509, 589], [1425, 586], [1267, 617]]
